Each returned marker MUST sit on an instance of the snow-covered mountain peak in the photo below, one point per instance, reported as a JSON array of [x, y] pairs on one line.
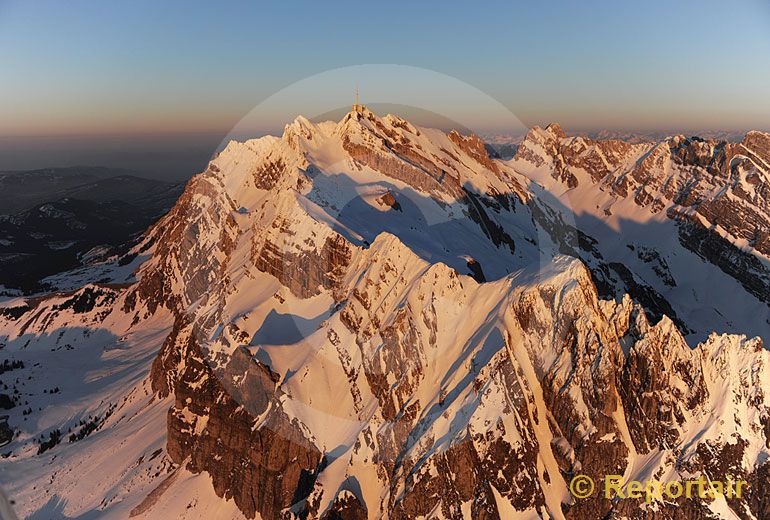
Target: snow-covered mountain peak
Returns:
[[371, 319], [757, 139], [301, 127], [556, 130]]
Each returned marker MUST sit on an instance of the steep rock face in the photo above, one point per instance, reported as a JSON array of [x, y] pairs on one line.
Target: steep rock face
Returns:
[[304, 272], [661, 382], [750, 271], [346, 507], [475, 148], [264, 470], [191, 245], [371, 142]]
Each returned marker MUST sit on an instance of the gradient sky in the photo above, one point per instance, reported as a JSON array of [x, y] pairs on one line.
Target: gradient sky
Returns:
[[83, 68]]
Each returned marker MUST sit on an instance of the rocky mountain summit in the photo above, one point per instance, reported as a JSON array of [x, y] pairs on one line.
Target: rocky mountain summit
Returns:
[[369, 319]]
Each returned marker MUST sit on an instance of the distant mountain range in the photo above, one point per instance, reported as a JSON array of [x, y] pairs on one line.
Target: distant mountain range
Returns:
[[631, 136], [22, 190], [58, 218]]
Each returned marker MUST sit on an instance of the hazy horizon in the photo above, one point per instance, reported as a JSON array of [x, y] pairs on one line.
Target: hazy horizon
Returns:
[[178, 156], [157, 87]]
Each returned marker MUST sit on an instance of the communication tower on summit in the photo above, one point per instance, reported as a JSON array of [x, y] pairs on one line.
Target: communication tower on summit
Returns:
[[357, 107]]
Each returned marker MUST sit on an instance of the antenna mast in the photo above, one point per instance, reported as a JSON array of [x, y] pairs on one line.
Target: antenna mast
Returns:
[[359, 109]]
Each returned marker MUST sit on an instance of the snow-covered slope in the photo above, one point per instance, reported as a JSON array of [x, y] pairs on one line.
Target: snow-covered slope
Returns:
[[368, 319]]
